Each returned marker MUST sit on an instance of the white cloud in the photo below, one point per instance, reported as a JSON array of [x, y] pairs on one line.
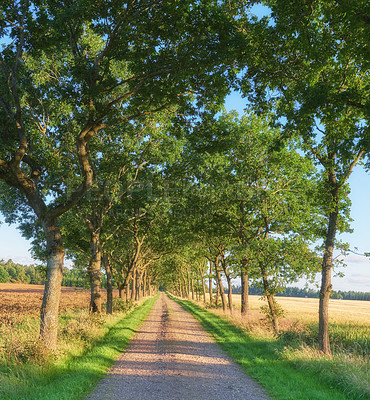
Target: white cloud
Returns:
[[354, 259]]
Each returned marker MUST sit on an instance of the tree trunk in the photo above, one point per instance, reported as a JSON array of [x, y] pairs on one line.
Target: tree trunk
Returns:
[[270, 300], [94, 271], [204, 291], [192, 289], [273, 311], [53, 285], [220, 286], [108, 270], [217, 294], [144, 284], [124, 285], [227, 274], [189, 284], [137, 285], [186, 294], [326, 286], [230, 294], [148, 285], [133, 285], [210, 288], [245, 289]]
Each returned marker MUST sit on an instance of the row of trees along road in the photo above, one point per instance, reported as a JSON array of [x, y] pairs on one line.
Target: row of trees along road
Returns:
[[72, 71], [113, 147]]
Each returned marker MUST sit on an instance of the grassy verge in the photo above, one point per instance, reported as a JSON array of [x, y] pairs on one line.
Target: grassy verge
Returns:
[[287, 371], [71, 375]]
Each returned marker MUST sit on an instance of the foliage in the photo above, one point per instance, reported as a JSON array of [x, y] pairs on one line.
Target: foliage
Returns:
[[35, 274], [4, 276], [120, 305], [278, 309], [74, 277], [19, 273], [310, 293]]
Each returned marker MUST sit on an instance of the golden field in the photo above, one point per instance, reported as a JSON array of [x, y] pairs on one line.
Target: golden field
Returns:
[[305, 310]]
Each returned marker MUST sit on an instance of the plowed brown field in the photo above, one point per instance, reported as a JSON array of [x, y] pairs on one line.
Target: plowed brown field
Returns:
[[19, 300]]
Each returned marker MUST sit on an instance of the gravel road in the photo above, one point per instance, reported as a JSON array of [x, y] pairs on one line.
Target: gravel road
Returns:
[[172, 358]]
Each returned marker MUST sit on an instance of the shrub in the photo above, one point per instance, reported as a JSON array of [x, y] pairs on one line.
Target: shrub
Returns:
[[120, 305], [4, 276]]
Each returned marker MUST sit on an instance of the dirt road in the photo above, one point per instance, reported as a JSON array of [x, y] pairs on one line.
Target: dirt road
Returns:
[[173, 358]]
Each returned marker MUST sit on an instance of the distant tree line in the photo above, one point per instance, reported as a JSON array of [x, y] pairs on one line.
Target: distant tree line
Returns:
[[18, 273], [77, 277], [35, 274], [310, 293]]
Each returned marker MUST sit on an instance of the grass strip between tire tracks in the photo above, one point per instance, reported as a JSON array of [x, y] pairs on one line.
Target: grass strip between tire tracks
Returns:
[[261, 359], [78, 377]]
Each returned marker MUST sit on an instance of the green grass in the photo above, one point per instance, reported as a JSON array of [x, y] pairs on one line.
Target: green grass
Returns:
[[74, 377], [287, 373]]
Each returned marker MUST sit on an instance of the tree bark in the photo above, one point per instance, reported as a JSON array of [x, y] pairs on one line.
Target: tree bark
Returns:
[[127, 292], [326, 286], [217, 294], [94, 271], [133, 285], [270, 300], [124, 284], [230, 294], [53, 285], [108, 271], [210, 288], [245, 288], [189, 284], [221, 288], [273, 311], [186, 294], [192, 288], [204, 290], [137, 285], [228, 278], [144, 284]]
